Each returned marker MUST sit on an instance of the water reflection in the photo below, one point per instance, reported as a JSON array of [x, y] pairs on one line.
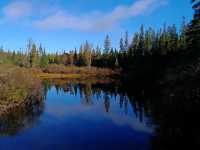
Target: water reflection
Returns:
[[170, 113], [110, 95], [139, 117], [21, 118], [176, 114]]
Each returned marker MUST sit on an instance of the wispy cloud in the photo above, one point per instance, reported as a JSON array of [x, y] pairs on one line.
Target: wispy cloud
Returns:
[[46, 17], [17, 9], [97, 21]]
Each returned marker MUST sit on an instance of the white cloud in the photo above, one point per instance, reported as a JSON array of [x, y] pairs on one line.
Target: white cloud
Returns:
[[97, 22], [17, 9], [60, 20], [44, 16]]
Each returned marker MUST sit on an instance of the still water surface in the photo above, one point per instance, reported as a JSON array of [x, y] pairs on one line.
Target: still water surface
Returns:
[[80, 116]]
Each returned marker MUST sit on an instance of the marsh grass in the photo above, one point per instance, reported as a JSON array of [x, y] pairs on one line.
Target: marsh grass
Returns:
[[73, 72], [17, 85]]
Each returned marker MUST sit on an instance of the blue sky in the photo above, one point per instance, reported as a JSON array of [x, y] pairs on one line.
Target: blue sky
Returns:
[[65, 24]]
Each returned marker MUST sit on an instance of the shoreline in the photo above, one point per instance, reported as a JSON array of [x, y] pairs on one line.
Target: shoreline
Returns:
[[74, 76], [73, 72], [15, 78]]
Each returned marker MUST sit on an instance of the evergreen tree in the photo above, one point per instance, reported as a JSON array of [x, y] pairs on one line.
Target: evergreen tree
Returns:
[[141, 49], [81, 56], [33, 56], [148, 40], [121, 45], [40, 50], [98, 51], [173, 38], [193, 38], [164, 40], [182, 38], [107, 44], [135, 44], [57, 59], [71, 58], [44, 60], [126, 42], [75, 57], [87, 54]]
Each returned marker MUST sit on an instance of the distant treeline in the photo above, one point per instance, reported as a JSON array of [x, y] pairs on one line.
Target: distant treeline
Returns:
[[145, 42], [149, 51]]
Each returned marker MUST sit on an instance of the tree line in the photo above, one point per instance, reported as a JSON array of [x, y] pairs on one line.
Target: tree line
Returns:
[[149, 50], [144, 42]]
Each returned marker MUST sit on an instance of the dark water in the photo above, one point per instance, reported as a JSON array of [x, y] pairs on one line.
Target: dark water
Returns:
[[102, 116]]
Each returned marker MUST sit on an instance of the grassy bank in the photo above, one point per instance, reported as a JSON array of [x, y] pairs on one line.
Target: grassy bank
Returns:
[[17, 86], [20, 85], [72, 72]]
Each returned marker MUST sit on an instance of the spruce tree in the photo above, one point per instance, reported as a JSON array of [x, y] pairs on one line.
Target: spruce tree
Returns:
[[44, 60], [33, 56], [107, 44], [121, 45], [193, 38], [126, 42], [141, 49], [182, 44]]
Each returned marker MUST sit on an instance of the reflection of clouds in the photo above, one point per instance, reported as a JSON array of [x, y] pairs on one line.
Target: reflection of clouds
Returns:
[[132, 122], [95, 112], [64, 110]]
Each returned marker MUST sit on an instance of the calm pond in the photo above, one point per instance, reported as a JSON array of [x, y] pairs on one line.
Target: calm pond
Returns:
[[89, 116]]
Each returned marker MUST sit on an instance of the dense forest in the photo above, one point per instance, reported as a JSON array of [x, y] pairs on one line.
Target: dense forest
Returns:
[[151, 53]]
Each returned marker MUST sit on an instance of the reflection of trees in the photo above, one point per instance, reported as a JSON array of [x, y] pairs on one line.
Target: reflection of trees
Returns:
[[22, 117], [106, 102], [172, 110], [124, 102], [104, 93], [46, 86], [176, 114], [86, 94]]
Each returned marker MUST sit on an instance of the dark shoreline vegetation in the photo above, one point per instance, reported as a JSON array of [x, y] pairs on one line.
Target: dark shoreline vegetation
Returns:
[[159, 71]]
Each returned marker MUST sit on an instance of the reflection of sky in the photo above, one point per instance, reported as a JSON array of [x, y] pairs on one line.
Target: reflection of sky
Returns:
[[65, 105], [68, 123]]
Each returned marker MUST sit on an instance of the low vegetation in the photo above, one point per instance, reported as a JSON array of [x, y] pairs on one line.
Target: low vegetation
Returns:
[[17, 87], [61, 71]]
